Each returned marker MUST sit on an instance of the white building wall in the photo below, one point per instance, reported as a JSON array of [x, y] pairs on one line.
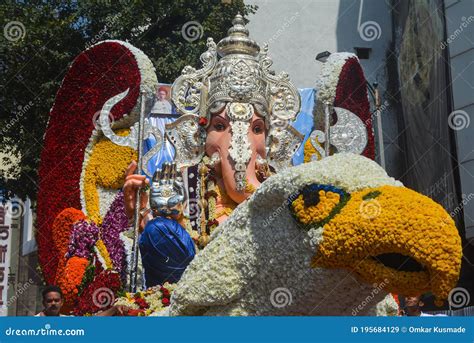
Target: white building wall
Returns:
[[298, 30], [460, 34]]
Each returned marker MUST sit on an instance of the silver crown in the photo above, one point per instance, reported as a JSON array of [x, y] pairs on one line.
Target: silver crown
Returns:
[[241, 75]]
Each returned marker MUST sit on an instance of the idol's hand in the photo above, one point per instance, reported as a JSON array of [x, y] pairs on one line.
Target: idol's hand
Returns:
[[133, 182], [167, 192]]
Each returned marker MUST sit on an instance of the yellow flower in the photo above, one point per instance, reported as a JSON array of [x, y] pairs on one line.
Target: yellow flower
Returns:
[[386, 220], [105, 168], [102, 249]]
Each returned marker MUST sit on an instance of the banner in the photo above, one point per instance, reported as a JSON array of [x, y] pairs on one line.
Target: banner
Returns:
[[232, 329]]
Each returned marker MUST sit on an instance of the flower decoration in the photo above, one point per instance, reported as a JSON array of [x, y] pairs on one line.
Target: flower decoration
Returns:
[[115, 222], [61, 229], [103, 254], [408, 227], [147, 302], [99, 294], [104, 167], [342, 84], [83, 238], [267, 259], [96, 75], [71, 279], [318, 204]]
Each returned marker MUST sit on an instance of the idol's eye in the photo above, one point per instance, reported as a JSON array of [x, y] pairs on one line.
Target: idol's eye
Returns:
[[258, 127], [219, 126]]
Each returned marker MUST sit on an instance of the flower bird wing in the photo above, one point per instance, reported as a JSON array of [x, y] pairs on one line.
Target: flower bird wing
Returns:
[[342, 83], [97, 74]]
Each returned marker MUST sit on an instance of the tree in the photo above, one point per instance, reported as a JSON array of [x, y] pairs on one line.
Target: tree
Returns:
[[41, 39]]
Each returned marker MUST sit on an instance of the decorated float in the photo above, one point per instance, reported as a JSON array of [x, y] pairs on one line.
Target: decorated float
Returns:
[[232, 226]]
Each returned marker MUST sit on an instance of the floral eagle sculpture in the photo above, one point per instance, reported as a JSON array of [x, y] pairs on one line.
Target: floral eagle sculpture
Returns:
[[318, 239]]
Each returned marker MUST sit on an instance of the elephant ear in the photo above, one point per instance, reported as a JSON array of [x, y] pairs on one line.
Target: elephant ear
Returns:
[[284, 142], [100, 72], [343, 85], [187, 137]]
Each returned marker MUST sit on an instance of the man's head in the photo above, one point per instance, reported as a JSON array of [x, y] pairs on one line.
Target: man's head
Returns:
[[162, 93], [52, 300], [413, 305]]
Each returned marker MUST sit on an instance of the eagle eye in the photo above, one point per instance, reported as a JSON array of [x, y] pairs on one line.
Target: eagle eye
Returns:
[[316, 204]]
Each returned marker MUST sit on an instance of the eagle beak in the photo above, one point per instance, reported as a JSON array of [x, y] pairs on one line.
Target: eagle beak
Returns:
[[395, 236]]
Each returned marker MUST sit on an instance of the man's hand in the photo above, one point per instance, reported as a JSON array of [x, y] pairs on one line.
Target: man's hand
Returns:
[[133, 182]]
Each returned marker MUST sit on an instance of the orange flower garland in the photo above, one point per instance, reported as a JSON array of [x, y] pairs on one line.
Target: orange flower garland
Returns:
[[71, 279], [61, 233]]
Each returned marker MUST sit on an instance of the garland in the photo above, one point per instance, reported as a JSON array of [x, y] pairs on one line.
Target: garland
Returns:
[[61, 229]]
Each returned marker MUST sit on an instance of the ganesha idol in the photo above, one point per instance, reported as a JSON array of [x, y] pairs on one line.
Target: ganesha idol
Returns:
[[234, 132], [233, 136]]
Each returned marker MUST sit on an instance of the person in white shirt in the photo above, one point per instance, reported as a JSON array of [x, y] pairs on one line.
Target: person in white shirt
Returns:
[[162, 105], [53, 301]]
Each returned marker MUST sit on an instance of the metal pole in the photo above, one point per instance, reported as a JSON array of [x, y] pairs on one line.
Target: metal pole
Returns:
[[134, 266], [326, 128], [378, 115]]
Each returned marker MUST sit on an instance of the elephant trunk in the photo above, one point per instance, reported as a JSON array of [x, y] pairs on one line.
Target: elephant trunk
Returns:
[[229, 177]]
